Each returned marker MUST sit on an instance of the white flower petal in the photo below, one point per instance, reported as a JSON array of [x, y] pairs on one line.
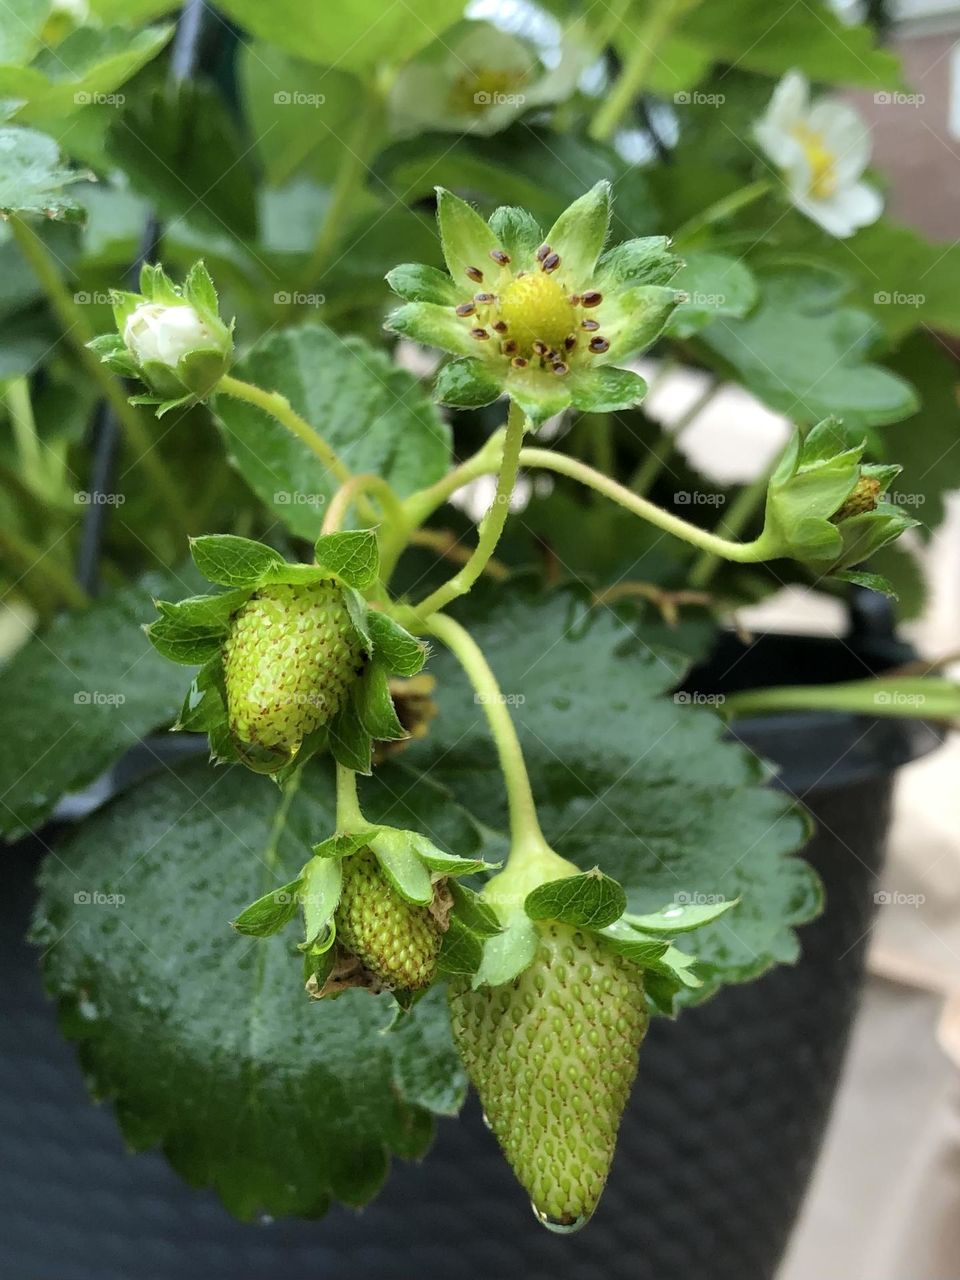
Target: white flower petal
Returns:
[[789, 101], [845, 134], [846, 211]]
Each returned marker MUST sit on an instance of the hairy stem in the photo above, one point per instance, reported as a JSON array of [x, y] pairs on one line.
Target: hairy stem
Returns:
[[352, 491], [491, 526], [280, 408], [349, 815]]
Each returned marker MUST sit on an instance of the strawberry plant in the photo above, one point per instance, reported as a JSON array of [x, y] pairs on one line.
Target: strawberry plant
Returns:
[[438, 816]]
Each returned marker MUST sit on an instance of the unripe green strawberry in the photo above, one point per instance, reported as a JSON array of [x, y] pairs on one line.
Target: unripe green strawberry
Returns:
[[553, 1055], [395, 939], [288, 663]]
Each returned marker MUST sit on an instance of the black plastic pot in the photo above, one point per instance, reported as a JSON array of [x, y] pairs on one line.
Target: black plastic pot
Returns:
[[716, 1147]]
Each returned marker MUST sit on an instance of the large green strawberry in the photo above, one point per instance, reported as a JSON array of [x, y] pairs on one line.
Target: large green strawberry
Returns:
[[396, 940], [288, 663], [553, 1055]]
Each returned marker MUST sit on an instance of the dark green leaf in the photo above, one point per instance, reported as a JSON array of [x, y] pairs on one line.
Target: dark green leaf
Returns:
[[351, 555], [395, 646], [270, 913], [33, 177], [234, 562]]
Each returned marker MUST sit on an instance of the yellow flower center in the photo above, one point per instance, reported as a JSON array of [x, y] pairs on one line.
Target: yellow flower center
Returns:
[[481, 88], [822, 161], [536, 308]]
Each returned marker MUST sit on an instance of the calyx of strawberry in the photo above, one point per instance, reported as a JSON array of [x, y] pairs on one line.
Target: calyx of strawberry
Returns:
[[292, 658], [376, 906], [550, 1026]]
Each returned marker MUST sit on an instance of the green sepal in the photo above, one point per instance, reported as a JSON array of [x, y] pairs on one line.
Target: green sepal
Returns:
[[863, 534], [113, 352], [353, 556], [271, 913], [394, 646], [466, 240], [589, 901], [350, 743], [518, 232], [540, 395], [607, 389], [318, 964], [200, 292], [204, 708], [223, 749], [359, 612], [415, 282], [191, 630], [124, 304], [873, 581], [508, 953], [401, 866], [232, 561], [156, 286], [375, 705], [320, 886], [314, 743], [467, 384], [201, 369], [678, 917], [470, 925], [635, 318], [646, 260], [433, 326], [578, 235], [344, 843], [441, 863]]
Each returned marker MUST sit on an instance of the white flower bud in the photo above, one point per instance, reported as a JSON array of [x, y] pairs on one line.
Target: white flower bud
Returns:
[[165, 333]]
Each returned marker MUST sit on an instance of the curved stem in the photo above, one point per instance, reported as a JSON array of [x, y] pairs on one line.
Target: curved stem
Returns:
[[349, 815], [341, 197], [739, 512], [421, 505], [280, 408], [723, 208], [78, 331], [445, 543], [354, 489], [633, 78], [526, 838], [746, 552], [491, 526]]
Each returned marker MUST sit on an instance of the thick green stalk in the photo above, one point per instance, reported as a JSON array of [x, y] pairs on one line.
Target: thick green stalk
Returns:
[[647, 39], [739, 512], [720, 210]]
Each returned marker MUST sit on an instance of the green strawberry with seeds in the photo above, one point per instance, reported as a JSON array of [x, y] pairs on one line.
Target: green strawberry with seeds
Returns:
[[396, 940], [289, 661], [553, 1055]]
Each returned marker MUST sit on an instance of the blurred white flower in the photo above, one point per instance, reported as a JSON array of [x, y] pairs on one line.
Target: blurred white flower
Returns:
[[164, 334], [822, 148]]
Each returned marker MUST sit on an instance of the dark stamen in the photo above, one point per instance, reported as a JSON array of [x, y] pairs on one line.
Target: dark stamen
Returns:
[[599, 344], [591, 298], [560, 369], [475, 274], [574, 299], [570, 341], [542, 252], [540, 348], [484, 298], [589, 325], [500, 257], [518, 362], [500, 326], [479, 334], [466, 309], [550, 262], [509, 347]]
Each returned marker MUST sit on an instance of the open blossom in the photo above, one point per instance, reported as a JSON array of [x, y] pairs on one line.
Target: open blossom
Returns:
[[822, 149]]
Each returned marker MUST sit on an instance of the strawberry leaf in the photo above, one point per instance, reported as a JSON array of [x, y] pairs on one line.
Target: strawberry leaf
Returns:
[[591, 901], [351, 555]]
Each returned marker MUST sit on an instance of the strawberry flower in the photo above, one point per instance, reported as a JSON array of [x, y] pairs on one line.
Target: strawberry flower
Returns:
[[822, 149], [545, 319]]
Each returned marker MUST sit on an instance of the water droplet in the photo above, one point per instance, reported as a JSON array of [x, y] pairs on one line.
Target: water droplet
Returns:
[[560, 1226], [486, 1121], [87, 1009]]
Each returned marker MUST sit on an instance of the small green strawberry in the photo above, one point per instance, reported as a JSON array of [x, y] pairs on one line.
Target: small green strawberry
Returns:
[[396, 940], [553, 1055], [288, 663]]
